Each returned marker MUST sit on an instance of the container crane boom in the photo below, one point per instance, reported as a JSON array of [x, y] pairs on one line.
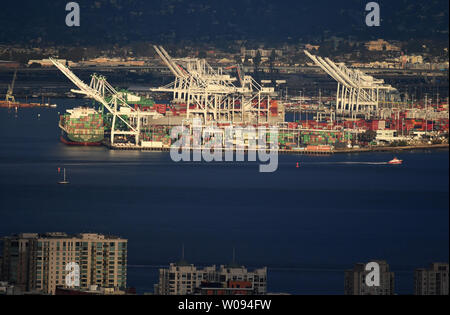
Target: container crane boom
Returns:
[[96, 94]]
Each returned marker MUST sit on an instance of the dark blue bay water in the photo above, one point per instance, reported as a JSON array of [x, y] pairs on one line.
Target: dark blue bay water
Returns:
[[307, 225]]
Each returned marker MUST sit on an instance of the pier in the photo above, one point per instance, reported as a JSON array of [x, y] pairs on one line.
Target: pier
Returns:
[[246, 151], [290, 152], [394, 149]]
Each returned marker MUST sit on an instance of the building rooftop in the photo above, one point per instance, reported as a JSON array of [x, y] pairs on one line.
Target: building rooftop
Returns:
[[63, 235]]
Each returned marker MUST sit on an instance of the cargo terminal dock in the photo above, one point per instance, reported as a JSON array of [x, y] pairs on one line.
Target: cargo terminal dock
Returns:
[[366, 115], [305, 151]]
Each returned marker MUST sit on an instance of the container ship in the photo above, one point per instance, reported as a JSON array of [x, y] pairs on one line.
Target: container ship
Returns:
[[82, 126]]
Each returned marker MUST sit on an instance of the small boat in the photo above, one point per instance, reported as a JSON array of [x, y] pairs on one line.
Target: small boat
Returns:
[[64, 182], [396, 161]]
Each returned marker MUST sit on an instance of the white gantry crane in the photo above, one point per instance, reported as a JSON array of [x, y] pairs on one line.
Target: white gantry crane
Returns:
[[212, 96], [357, 92], [102, 92], [10, 93]]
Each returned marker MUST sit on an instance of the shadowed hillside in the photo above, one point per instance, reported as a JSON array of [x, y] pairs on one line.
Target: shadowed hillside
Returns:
[[122, 21]]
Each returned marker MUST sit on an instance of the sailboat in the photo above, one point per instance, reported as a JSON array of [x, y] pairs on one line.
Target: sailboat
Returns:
[[64, 182]]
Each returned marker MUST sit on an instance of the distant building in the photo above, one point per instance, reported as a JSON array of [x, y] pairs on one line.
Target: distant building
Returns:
[[312, 47], [16, 261], [225, 61], [263, 52], [381, 45], [9, 64], [355, 281], [37, 261], [112, 62], [9, 289], [388, 136], [410, 61], [235, 273], [184, 279], [47, 63], [432, 281], [414, 59]]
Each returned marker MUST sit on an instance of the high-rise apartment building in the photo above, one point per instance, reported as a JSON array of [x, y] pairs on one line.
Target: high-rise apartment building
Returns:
[[16, 262], [355, 280], [37, 262], [258, 277], [184, 279], [432, 281]]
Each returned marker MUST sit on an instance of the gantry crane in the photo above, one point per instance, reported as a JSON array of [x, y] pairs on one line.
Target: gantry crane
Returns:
[[357, 92], [211, 95], [102, 92], [10, 93]]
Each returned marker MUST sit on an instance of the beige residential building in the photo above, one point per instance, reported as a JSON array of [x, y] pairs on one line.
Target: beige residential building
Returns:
[[258, 277], [38, 262], [183, 279], [432, 281], [355, 281]]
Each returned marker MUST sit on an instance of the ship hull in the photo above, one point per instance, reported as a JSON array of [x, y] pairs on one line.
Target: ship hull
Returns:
[[66, 140]]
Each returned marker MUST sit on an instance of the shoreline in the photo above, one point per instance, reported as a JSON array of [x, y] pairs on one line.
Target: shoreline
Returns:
[[297, 152], [394, 149]]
